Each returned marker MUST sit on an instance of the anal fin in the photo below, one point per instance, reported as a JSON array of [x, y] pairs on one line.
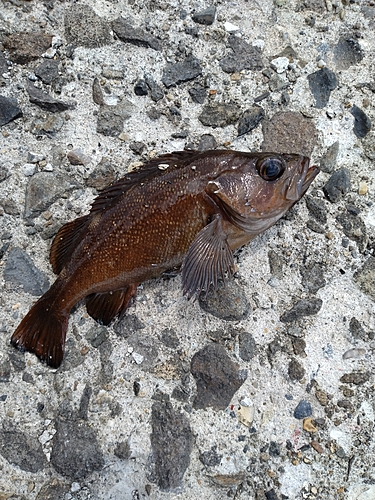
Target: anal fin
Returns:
[[208, 260], [104, 307]]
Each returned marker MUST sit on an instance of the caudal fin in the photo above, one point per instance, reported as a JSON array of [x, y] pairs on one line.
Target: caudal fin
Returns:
[[42, 332]]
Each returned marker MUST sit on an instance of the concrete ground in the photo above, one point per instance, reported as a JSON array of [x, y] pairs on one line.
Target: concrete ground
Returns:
[[263, 391]]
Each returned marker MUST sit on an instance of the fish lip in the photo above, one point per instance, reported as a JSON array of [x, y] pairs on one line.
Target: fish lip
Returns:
[[311, 173], [305, 175]]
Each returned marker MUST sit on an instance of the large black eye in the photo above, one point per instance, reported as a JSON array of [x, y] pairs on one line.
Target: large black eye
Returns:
[[270, 168]]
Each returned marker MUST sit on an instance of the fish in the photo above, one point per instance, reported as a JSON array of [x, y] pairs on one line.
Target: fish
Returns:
[[187, 210]]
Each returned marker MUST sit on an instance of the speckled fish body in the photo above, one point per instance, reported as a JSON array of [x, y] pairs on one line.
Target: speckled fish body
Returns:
[[187, 208]]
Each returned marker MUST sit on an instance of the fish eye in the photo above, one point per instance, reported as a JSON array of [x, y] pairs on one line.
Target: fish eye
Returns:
[[270, 168]]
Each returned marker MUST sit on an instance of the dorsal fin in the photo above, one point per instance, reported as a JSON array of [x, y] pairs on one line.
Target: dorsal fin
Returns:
[[151, 169], [66, 241], [71, 234]]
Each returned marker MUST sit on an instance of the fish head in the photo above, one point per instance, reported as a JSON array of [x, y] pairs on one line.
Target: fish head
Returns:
[[261, 188]]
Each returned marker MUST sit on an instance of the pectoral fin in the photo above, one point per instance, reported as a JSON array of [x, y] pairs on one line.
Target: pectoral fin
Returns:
[[208, 260]]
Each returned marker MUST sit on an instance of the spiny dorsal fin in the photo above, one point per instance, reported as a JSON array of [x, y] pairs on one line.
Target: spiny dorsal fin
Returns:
[[70, 235], [66, 241], [151, 169]]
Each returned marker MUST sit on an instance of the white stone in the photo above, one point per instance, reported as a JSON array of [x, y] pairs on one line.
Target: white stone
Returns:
[[75, 487], [138, 358], [29, 169], [258, 43], [230, 27], [280, 64]]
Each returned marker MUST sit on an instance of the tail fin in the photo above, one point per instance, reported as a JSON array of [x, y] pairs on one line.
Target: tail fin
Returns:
[[42, 332]]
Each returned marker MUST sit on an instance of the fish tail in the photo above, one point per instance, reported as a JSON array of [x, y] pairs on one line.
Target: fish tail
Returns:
[[43, 331]]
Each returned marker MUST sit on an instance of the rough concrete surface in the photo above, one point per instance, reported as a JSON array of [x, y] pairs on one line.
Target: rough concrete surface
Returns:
[[264, 391]]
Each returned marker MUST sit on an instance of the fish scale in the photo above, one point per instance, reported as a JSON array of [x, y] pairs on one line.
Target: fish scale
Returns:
[[188, 209]]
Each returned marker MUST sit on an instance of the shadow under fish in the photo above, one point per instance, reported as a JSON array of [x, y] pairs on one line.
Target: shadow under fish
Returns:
[[190, 209]]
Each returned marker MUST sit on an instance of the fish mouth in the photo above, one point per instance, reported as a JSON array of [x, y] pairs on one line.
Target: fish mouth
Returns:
[[311, 173], [305, 175]]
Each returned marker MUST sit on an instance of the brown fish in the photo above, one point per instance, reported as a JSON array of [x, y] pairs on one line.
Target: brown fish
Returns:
[[186, 208]]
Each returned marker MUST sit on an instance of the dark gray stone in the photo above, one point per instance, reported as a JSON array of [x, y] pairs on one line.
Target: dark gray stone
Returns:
[[97, 92], [354, 228], [362, 123], [75, 449], [229, 302], [247, 346], [315, 226], [17, 359], [289, 132], [26, 46], [365, 278], [357, 330], [9, 110], [43, 189], [49, 126], [304, 307], [321, 83], [136, 36], [205, 17], [216, 376], [313, 277], [170, 338], [140, 88], [123, 450], [46, 101], [337, 186], [103, 176], [250, 119], [242, 56], [347, 52], [219, 114], [172, 443], [276, 263], [84, 403], [20, 270], [302, 410], [295, 370], [317, 208], [5, 369], [111, 118], [146, 346], [97, 335], [207, 142], [3, 64], [356, 378], [48, 71], [128, 325], [198, 93], [156, 93], [315, 5], [210, 458], [22, 450], [180, 72], [83, 27], [10, 207], [328, 160]]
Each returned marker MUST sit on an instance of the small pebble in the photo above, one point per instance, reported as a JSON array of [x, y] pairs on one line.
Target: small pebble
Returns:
[[29, 169], [317, 447], [280, 64], [362, 188], [231, 28], [354, 353], [302, 410], [308, 425]]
